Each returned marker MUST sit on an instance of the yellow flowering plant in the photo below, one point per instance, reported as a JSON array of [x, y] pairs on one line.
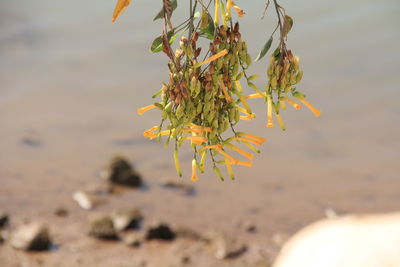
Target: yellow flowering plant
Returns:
[[203, 98]]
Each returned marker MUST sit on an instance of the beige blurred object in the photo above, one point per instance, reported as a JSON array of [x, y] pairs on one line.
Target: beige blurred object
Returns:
[[350, 241]]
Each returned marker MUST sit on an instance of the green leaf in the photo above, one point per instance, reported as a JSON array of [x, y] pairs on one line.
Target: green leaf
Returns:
[[277, 52], [287, 25], [252, 77], [204, 19], [265, 49], [160, 14], [157, 94], [210, 29], [156, 46]]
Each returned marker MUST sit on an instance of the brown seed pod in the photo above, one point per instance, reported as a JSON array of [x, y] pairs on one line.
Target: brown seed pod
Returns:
[[195, 37], [172, 95], [177, 90], [209, 86], [217, 41], [183, 42], [178, 100], [208, 76], [166, 47], [236, 28], [211, 68], [212, 48], [183, 84], [238, 36], [231, 36], [222, 31], [164, 88], [168, 8], [197, 52], [185, 93], [226, 78]]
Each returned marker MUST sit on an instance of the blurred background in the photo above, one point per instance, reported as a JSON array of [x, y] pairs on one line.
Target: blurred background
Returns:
[[70, 84]]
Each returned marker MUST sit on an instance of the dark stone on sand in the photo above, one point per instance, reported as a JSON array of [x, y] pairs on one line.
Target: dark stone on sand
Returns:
[[126, 219], [160, 231], [31, 140], [102, 227], [3, 219], [178, 184], [33, 236], [185, 259], [250, 227], [121, 172], [61, 212]]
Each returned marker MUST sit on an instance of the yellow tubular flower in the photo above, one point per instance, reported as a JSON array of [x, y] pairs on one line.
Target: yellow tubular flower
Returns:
[[245, 163], [244, 102], [140, 111], [229, 169], [229, 4], [270, 123], [203, 160], [150, 132], [246, 118], [243, 110], [212, 58], [282, 105], [225, 91], [316, 112], [177, 165], [248, 140], [196, 130], [194, 173], [239, 11], [119, 8], [223, 14], [251, 146], [280, 121], [152, 129], [226, 155], [194, 126], [197, 140], [293, 103], [150, 135], [239, 86], [256, 95], [254, 137], [240, 151], [216, 14]]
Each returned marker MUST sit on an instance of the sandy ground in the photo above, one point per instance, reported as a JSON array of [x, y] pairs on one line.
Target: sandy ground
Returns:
[[71, 81]]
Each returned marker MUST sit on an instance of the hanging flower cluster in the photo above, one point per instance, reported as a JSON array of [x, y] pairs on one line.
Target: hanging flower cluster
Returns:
[[203, 99]]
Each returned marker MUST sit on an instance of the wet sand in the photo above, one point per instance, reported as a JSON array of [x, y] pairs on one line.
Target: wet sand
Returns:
[[70, 83]]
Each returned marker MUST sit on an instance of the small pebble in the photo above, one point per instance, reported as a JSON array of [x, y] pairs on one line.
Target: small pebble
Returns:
[[121, 172], [61, 212], [84, 200], [160, 231], [33, 236], [102, 227], [3, 219], [126, 219]]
